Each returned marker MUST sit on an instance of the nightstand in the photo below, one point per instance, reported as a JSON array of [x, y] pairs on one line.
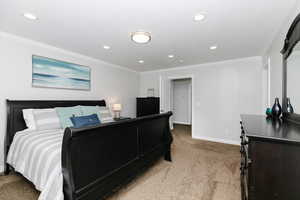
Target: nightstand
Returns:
[[122, 119]]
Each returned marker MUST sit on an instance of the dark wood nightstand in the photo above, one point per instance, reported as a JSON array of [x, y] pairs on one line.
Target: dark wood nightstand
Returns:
[[122, 118]]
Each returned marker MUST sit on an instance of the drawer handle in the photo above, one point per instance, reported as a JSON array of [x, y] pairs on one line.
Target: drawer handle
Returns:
[[249, 161]]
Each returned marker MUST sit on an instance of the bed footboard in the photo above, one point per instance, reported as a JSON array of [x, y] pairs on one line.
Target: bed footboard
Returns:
[[97, 160]]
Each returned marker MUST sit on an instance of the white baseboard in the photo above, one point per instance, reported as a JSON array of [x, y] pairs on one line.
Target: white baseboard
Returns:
[[1, 169], [183, 123], [232, 142]]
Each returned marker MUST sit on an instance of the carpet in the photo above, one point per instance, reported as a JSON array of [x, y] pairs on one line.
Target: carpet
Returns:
[[200, 170]]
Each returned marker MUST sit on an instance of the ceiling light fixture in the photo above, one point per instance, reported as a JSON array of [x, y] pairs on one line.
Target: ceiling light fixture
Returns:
[[141, 37], [181, 61], [30, 16], [141, 61], [199, 17], [213, 47], [106, 47], [171, 56]]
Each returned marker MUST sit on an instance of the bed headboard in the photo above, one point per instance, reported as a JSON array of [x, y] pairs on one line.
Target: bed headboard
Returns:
[[15, 121]]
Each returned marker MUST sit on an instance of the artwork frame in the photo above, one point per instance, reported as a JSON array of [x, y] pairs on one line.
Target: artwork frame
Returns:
[[58, 74]]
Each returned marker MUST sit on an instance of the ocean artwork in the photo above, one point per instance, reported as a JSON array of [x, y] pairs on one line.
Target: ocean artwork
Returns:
[[47, 72]]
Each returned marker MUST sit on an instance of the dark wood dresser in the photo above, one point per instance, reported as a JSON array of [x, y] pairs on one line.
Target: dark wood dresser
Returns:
[[147, 106], [270, 164]]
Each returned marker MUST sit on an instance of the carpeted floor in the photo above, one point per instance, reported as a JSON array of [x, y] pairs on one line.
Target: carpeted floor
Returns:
[[200, 171]]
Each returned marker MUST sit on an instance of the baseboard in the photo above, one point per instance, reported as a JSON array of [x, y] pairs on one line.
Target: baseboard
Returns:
[[182, 123], [232, 142], [1, 170]]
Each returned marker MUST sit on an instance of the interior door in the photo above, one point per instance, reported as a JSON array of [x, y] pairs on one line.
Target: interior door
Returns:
[[165, 97]]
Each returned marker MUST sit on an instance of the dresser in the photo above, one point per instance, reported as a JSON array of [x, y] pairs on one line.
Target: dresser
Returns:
[[147, 106], [270, 159]]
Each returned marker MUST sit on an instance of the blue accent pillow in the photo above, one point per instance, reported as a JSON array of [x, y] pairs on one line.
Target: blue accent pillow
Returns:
[[83, 121]]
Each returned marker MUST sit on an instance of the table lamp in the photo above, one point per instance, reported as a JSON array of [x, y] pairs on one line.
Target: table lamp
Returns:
[[117, 110]]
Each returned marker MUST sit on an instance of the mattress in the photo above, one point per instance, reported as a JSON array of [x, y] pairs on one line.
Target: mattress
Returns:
[[37, 156]]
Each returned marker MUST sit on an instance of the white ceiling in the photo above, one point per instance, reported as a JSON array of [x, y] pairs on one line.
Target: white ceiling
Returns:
[[240, 28]]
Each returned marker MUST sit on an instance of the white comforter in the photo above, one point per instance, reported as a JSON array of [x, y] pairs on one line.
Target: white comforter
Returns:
[[37, 156]]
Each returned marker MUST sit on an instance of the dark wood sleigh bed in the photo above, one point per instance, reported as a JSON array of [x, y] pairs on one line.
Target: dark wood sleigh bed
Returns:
[[98, 160]]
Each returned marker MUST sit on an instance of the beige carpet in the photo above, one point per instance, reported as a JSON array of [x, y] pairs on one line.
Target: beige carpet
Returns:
[[199, 171]]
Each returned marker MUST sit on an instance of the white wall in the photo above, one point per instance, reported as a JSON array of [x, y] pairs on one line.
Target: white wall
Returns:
[[110, 82], [181, 101], [275, 56], [222, 91]]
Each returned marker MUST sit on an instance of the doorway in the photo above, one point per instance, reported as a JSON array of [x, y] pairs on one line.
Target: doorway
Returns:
[[181, 101], [176, 95]]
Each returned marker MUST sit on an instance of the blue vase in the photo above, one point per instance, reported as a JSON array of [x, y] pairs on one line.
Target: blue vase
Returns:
[[269, 112]]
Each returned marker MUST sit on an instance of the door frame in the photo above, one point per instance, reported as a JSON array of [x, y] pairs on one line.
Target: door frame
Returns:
[[170, 78]]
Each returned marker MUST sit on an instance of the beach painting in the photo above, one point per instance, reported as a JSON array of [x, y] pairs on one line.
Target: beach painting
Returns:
[[51, 73]]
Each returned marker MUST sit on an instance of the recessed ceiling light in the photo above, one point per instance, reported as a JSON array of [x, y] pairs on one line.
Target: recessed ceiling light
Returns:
[[171, 56], [30, 16], [199, 17], [106, 47], [141, 37], [141, 61], [213, 47]]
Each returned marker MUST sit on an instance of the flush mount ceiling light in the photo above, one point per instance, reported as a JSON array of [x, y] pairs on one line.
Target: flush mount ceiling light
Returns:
[[141, 37], [171, 56], [199, 17], [141, 61], [213, 47], [30, 16], [106, 47]]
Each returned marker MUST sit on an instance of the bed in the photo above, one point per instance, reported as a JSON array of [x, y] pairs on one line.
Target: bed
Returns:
[[87, 163]]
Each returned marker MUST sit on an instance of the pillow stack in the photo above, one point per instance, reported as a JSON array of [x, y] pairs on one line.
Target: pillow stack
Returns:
[[60, 117]]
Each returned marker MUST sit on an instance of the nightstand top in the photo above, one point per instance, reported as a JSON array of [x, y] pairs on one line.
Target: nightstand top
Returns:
[[122, 118]]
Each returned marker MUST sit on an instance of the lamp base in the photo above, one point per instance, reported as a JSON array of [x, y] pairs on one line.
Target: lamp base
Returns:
[[117, 114]]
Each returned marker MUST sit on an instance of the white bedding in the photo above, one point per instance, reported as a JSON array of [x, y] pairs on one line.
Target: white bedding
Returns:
[[37, 156]]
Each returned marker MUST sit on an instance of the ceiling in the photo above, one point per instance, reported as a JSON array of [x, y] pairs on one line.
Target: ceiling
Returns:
[[240, 28]]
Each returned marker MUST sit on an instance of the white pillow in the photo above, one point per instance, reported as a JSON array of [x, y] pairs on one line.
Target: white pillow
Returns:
[[105, 114], [46, 119], [29, 118]]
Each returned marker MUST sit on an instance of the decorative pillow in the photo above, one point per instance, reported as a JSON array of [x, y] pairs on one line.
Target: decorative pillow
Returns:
[[65, 113], [105, 114], [29, 118], [89, 110], [84, 121], [46, 119]]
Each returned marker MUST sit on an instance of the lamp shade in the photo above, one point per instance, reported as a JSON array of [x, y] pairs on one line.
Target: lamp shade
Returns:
[[117, 107]]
